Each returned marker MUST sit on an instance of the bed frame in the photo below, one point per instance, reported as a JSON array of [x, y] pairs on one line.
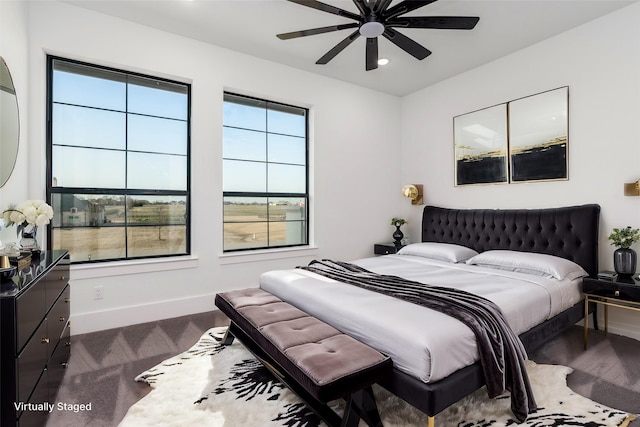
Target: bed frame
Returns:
[[567, 232]]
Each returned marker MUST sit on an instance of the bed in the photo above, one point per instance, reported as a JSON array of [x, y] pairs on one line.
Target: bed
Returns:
[[437, 366]]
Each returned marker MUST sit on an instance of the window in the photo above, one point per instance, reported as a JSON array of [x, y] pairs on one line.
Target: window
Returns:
[[118, 172], [265, 174]]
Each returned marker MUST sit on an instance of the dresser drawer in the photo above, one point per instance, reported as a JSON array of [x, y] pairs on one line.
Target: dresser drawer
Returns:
[[31, 363], [40, 395], [57, 319], [55, 282], [628, 290], [384, 248], [58, 363], [30, 309]]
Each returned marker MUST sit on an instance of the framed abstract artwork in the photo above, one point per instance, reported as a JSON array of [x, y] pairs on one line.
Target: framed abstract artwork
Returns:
[[480, 141], [538, 136], [521, 140]]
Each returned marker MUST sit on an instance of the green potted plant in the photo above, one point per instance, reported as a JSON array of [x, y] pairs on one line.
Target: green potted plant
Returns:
[[398, 235], [624, 258]]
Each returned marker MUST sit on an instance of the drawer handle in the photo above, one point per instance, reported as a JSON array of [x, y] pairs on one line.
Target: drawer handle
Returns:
[[61, 278], [64, 365], [67, 299], [67, 344], [44, 340], [617, 293], [62, 319]]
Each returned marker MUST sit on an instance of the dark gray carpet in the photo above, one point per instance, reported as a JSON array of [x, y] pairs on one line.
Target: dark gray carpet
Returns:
[[103, 366]]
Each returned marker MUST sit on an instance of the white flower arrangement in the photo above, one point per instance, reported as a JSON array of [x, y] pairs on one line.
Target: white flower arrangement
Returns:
[[28, 213]]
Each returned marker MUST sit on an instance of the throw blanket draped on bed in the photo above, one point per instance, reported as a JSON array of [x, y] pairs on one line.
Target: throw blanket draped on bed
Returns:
[[502, 355]]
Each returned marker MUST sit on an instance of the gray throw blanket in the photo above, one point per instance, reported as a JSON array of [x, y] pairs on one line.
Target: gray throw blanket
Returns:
[[502, 355]]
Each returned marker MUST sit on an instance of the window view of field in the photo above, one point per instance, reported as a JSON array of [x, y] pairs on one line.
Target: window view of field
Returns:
[[115, 140], [97, 228], [255, 224]]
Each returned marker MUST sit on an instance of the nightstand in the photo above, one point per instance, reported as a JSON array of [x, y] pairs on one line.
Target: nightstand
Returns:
[[621, 292], [385, 248]]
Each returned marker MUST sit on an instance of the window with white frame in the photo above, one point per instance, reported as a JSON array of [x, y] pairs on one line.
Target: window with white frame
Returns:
[[118, 162], [265, 174]]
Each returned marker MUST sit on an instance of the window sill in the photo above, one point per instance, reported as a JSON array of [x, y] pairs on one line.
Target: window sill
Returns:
[[267, 254], [121, 268]]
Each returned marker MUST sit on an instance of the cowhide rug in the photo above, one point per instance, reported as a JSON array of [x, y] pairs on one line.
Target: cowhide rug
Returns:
[[213, 385]]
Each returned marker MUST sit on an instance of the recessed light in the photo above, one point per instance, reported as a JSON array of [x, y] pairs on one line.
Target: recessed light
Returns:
[[383, 61]]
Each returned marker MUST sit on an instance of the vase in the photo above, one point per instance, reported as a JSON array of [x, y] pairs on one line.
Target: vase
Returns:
[[624, 261], [29, 238], [397, 237]]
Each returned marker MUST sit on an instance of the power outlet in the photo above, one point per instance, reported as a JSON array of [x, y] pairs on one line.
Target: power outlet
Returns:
[[98, 292]]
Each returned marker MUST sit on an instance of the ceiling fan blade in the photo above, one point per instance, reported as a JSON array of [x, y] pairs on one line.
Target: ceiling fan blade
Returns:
[[404, 7], [314, 4], [338, 48], [314, 31], [381, 5], [362, 6], [437, 22], [405, 43], [372, 54]]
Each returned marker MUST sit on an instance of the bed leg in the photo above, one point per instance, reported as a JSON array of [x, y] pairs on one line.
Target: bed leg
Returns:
[[431, 421]]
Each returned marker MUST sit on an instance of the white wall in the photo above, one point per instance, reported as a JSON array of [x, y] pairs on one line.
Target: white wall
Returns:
[[355, 158], [600, 62], [14, 42]]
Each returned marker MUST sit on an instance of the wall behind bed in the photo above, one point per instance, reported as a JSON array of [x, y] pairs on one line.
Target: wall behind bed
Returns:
[[600, 62], [347, 121]]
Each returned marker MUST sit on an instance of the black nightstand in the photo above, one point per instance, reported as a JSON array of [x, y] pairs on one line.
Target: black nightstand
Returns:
[[385, 248], [621, 292]]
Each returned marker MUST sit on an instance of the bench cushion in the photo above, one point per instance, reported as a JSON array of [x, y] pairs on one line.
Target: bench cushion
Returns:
[[326, 362]]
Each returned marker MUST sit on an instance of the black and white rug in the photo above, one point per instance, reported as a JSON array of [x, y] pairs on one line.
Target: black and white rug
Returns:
[[214, 385]]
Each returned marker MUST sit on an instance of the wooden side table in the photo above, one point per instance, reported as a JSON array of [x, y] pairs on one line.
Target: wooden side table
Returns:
[[620, 292]]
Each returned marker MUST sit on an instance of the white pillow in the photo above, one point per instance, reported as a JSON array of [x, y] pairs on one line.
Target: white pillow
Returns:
[[440, 251], [529, 263]]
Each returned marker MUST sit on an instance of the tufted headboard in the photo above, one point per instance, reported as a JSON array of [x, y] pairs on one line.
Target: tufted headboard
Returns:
[[568, 232]]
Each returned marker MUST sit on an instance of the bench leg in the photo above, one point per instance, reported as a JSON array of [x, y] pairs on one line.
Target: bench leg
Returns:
[[327, 414], [228, 337], [361, 405]]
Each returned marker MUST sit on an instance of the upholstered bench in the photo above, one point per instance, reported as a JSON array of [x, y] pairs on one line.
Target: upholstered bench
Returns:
[[316, 361]]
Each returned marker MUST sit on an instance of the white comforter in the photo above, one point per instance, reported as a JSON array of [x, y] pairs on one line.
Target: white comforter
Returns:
[[423, 343]]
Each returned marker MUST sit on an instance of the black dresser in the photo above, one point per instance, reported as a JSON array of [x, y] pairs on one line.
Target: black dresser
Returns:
[[34, 339]]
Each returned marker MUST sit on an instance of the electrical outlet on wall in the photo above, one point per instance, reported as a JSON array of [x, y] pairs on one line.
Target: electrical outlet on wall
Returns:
[[98, 292]]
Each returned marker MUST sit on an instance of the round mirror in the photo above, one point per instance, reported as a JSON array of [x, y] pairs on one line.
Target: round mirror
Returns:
[[9, 124]]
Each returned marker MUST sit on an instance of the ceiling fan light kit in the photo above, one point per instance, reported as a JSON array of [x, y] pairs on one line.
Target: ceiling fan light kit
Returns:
[[377, 19], [371, 29]]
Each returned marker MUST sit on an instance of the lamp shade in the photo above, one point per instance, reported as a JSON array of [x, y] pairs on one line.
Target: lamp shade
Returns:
[[413, 192], [410, 191]]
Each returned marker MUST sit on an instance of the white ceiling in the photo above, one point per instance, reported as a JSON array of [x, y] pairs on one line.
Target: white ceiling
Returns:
[[250, 26]]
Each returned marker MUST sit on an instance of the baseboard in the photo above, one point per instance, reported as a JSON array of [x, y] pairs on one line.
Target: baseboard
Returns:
[[622, 329], [83, 323]]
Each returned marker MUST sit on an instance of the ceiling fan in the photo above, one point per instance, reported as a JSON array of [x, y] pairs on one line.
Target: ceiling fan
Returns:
[[378, 19]]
